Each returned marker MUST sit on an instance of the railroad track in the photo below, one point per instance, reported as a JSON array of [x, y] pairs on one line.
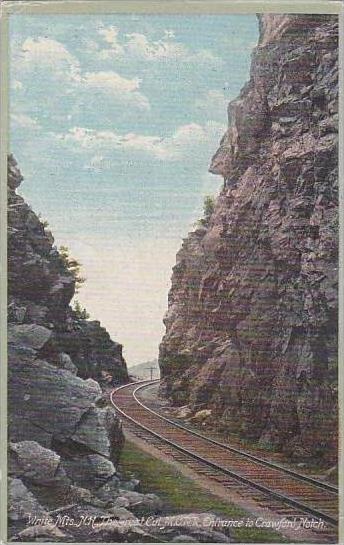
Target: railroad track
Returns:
[[284, 491]]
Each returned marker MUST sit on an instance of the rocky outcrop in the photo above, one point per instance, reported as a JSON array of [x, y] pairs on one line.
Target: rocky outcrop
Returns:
[[61, 435], [40, 289], [251, 327]]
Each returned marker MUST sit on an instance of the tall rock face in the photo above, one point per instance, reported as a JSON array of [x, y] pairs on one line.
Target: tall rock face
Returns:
[[63, 441], [251, 327], [40, 289]]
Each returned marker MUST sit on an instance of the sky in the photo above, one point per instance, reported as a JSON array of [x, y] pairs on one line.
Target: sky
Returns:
[[113, 121]]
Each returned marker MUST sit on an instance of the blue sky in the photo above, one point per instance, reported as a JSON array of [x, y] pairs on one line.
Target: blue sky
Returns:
[[114, 120]]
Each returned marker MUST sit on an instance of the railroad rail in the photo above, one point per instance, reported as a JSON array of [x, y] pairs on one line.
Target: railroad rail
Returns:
[[283, 490]]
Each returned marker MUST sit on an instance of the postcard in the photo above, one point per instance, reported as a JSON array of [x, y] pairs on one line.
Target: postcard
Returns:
[[171, 261]]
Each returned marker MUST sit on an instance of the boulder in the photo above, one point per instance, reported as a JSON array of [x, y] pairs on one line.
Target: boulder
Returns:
[[37, 464], [79, 495], [120, 513], [139, 504], [55, 402], [22, 504], [109, 491], [197, 526], [91, 431], [66, 363], [90, 471], [91, 383], [28, 335], [127, 531], [42, 533]]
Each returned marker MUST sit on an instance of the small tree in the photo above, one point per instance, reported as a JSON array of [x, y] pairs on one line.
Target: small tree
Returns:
[[208, 205], [81, 313], [208, 209], [73, 266]]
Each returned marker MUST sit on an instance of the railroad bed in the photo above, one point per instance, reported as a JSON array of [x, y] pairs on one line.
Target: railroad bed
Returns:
[[281, 490]]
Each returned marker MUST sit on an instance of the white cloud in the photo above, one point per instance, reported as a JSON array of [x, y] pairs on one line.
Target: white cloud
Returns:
[[126, 90], [138, 142], [54, 60], [139, 46], [110, 36], [110, 81], [24, 121], [106, 140], [89, 138], [188, 138], [44, 52], [184, 140], [185, 137]]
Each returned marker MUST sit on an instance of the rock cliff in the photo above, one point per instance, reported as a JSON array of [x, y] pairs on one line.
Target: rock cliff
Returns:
[[41, 287], [251, 327], [64, 442]]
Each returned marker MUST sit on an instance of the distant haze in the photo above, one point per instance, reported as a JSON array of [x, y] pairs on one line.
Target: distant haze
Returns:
[[146, 370], [114, 120]]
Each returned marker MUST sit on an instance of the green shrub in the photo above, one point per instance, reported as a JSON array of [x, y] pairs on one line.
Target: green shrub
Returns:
[[73, 266], [81, 313], [208, 209], [208, 205]]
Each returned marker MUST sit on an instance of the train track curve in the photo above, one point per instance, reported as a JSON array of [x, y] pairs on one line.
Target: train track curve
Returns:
[[285, 491]]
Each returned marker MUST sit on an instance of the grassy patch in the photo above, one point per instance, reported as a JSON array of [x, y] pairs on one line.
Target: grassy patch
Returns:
[[182, 495]]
